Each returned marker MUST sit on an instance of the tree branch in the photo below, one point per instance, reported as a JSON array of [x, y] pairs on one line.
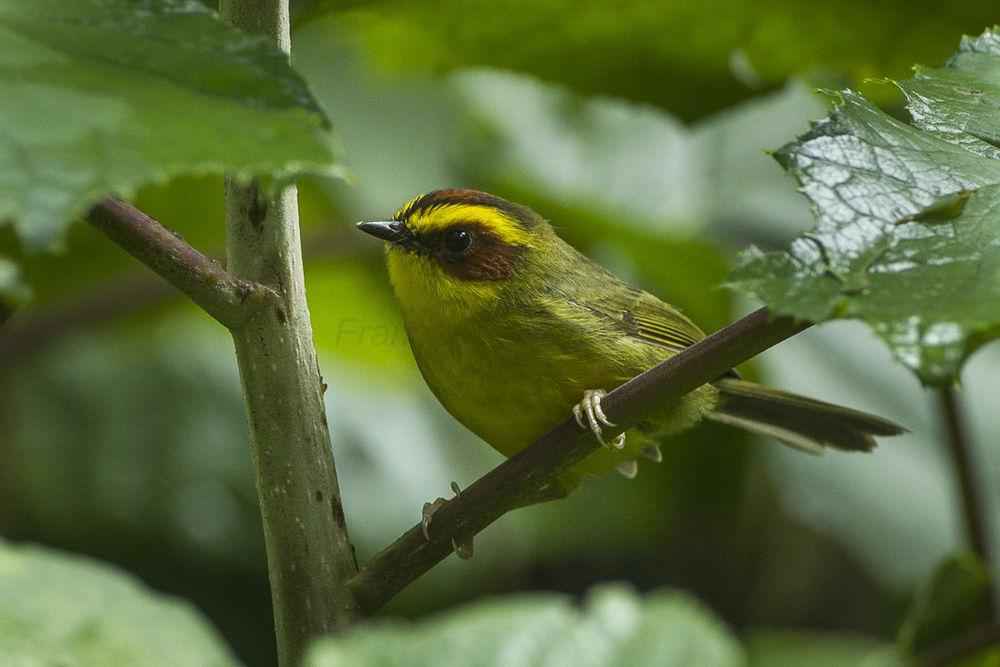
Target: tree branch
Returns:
[[309, 554], [974, 510], [207, 284], [518, 480], [38, 326]]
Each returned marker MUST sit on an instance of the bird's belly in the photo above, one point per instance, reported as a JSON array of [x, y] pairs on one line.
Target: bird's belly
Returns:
[[513, 387], [507, 394]]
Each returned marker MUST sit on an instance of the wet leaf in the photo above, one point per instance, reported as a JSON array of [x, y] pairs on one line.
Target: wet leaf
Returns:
[[102, 96], [906, 236]]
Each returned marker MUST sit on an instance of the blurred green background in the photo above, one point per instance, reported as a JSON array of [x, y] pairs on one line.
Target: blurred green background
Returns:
[[640, 130]]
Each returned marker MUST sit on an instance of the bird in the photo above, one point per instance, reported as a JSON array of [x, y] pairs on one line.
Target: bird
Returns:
[[514, 330]]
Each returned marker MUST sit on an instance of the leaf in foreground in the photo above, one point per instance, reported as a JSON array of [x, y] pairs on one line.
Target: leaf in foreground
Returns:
[[613, 627], [58, 609], [101, 96], [908, 217]]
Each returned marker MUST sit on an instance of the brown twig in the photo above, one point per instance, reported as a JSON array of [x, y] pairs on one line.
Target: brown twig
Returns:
[[206, 283], [518, 480], [36, 327]]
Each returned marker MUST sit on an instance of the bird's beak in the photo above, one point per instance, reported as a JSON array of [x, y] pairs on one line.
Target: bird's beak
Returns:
[[391, 231]]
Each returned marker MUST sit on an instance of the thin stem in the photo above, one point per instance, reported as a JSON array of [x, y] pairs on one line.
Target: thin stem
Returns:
[[973, 507], [207, 284], [525, 476], [310, 557]]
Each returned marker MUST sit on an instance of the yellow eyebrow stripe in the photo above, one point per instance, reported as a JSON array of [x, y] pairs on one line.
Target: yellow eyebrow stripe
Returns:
[[443, 216], [404, 210]]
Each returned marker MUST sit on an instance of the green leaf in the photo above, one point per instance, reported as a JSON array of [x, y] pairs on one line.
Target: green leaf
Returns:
[[951, 601], [613, 627], [102, 96], [689, 58], [631, 162], [58, 609], [906, 236], [793, 649]]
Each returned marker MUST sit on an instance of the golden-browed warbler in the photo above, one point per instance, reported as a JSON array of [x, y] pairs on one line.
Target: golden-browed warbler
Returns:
[[513, 330]]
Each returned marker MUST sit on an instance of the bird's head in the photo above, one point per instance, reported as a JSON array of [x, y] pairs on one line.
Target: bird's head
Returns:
[[457, 248]]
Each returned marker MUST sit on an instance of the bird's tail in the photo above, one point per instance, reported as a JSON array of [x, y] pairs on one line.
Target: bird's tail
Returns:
[[797, 421]]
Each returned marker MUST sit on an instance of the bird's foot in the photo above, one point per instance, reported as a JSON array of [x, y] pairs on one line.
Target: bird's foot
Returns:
[[462, 549], [590, 407], [427, 513]]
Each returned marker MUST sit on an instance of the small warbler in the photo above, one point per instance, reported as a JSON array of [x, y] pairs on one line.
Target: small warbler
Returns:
[[513, 330]]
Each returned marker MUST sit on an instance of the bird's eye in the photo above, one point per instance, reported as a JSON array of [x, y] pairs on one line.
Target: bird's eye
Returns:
[[457, 240]]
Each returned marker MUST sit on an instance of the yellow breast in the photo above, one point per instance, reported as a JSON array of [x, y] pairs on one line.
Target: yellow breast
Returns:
[[510, 379]]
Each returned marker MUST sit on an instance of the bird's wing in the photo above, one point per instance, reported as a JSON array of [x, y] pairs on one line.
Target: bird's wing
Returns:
[[643, 316]]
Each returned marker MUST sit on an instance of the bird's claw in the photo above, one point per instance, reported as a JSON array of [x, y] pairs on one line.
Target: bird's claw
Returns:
[[590, 407], [427, 513], [462, 549]]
